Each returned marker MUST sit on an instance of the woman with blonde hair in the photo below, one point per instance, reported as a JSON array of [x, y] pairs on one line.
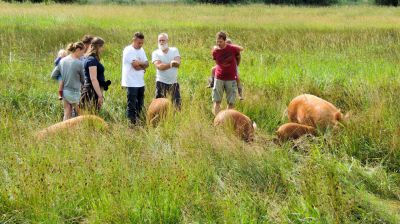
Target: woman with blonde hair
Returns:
[[92, 97], [71, 71]]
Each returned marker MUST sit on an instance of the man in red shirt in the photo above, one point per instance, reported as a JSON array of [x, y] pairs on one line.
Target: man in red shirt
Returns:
[[227, 58]]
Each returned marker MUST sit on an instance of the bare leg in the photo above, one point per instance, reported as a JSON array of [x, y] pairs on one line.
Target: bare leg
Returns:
[[67, 110], [60, 89], [217, 108], [231, 106], [240, 89]]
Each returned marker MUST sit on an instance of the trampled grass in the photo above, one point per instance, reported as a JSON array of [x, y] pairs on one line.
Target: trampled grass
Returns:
[[185, 170]]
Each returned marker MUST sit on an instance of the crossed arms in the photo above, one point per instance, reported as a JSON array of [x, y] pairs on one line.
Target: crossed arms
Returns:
[[164, 66], [139, 65]]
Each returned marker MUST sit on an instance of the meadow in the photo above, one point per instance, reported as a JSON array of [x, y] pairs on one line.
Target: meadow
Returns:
[[185, 170]]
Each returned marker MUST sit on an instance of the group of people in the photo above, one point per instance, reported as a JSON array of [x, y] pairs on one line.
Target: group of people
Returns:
[[82, 82], [134, 63], [81, 76]]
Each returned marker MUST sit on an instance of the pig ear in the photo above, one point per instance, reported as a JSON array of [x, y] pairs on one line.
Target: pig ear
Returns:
[[338, 116]]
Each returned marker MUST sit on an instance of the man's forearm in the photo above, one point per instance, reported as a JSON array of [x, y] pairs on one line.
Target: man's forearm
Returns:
[[144, 64], [239, 47], [163, 66]]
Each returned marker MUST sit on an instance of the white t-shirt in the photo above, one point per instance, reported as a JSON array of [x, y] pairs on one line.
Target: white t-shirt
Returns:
[[169, 76], [130, 76]]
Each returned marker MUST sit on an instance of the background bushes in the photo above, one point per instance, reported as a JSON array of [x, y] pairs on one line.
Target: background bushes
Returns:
[[387, 2]]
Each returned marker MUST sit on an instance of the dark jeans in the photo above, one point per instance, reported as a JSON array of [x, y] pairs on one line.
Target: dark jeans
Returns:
[[135, 96], [163, 89]]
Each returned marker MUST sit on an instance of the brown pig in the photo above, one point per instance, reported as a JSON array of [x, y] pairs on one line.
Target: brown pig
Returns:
[[294, 131], [313, 111], [70, 124], [242, 124], [157, 110]]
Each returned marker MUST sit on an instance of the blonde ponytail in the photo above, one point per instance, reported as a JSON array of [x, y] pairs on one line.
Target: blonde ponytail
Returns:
[[73, 46]]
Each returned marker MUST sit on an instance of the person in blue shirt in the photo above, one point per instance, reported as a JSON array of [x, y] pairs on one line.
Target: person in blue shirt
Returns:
[[92, 97], [61, 54]]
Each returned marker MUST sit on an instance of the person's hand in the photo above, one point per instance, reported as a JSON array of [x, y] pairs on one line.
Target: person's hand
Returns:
[[137, 65], [100, 101], [174, 64]]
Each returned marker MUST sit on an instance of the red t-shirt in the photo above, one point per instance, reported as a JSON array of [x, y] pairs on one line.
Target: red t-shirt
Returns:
[[226, 68]]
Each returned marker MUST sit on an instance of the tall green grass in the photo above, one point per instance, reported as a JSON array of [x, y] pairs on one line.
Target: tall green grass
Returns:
[[185, 170]]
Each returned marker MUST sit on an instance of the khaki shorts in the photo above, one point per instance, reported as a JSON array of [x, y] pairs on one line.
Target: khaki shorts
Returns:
[[71, 96], [229, 86]]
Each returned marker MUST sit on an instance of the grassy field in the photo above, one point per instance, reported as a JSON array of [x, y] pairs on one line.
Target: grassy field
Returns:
[[185, 171]]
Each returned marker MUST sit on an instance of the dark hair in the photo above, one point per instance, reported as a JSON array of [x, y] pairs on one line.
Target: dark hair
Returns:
[[138, 35], [95, 45], [221, 35], [73, 46], [87, 39]]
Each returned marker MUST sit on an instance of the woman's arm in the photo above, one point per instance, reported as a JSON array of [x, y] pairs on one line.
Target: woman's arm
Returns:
[[95, 84]]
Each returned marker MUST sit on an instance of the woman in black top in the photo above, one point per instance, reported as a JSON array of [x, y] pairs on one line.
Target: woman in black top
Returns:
[[92, 91]]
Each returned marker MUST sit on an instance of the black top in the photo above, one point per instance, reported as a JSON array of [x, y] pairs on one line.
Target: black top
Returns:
[[92, 61]]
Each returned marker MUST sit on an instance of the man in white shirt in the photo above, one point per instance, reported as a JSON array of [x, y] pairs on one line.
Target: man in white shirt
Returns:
[[167, 61], [134, 63]]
